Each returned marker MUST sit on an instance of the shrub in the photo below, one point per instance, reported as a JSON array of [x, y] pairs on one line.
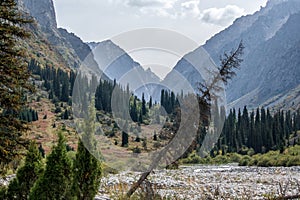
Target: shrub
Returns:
[[245, 161], [193, 158]]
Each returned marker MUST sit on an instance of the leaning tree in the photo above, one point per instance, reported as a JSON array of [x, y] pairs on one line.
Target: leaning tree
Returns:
[[208, 92]]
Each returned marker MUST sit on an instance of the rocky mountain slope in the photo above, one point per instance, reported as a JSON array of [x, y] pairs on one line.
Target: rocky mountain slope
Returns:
[[271, 57], [70, 49]]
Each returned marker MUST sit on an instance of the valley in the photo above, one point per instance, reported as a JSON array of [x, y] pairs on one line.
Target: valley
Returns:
[[84, 120]]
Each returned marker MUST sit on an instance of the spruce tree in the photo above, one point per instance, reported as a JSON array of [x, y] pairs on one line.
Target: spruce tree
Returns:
[[55, 182], [124, 139], [245, 125], [14, 77], [144, 109], [87, 170], [150, 103], [257, 133], [140, 120], [19, 187], [155, 136], [134, 111], [65, 89]]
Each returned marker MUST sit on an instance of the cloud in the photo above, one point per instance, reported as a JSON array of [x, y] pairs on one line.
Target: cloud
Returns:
[[167, 8], [221, 16], [186, 9], [190, 7], [150, 3], [159, 8]]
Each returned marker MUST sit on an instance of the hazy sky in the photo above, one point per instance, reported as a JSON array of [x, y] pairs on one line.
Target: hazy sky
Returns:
[[97, 20]]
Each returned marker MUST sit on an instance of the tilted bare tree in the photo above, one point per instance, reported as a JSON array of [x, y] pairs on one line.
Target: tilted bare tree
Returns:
[[229, 62]]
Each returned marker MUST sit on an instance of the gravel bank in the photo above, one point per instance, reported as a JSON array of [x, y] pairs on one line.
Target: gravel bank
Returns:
[[212, 182]]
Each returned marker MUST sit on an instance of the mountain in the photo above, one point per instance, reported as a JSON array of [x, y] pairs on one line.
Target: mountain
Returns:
[[82, 50], [117, 64], [69, 49], [271, 57]]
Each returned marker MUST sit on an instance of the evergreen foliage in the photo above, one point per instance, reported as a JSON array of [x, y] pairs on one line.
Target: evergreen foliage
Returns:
[[257, 130], [124, 139], [19, 187], [144, 109], [28, 115], [55, 182], [87, 170], [150, 103], [134, 110], [169, 101], [14, 78], [57, 82], [103, 95]]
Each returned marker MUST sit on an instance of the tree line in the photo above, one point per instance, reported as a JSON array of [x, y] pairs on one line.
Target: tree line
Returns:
[[56, 81], [29, 115], [258, 130]]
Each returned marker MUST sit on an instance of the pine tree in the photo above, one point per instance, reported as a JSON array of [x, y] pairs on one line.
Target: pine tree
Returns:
[[140, 120], [245, 125], [269, 122], [162, 98], [56, 84], [124, 139], [133, 110], [155, 136], [144, 109], [150, 103], [66, 114], [87, 170], [19, 187], [55, 182], [257, 133], [263, 130], [14, 77], [65, 89]]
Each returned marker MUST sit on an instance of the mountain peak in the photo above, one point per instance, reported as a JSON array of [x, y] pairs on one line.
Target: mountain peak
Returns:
[[42, 10], [271, 59]]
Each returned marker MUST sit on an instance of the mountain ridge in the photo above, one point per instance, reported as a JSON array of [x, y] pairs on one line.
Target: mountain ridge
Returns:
[[70, 49], [260, 34], [117, 64]]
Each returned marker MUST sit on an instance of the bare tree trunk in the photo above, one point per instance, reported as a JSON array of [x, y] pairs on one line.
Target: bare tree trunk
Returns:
[[136, 185]]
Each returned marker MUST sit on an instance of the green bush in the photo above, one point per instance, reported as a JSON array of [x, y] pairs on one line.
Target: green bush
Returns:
[[235, 157], [245, 161], [193, 158], [293, 161], [290, 157]]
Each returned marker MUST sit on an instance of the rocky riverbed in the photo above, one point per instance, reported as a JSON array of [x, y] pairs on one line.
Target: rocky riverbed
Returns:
[[207, 182], [211, 182]]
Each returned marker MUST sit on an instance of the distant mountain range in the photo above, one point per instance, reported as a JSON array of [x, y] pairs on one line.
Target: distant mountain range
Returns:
[[117, 64], [269, 75]]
